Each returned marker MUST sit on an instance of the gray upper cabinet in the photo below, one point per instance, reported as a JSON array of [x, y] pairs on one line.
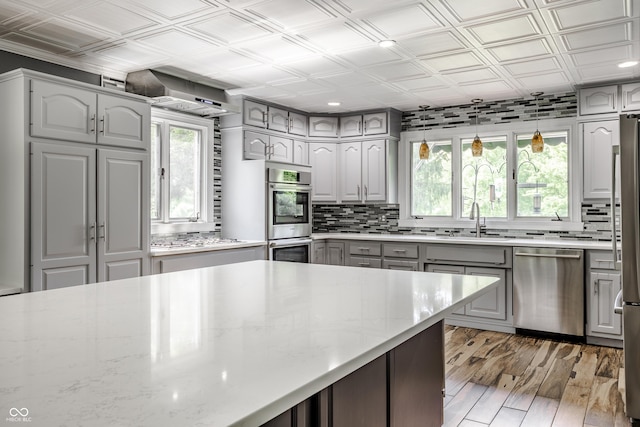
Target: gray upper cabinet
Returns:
[[278, 119], [69, 113], [364, 124], [300, 152], [598, 138], [630, 94], [254, 114], [262, 146], [297, 124], [598, 100], [323, 126]]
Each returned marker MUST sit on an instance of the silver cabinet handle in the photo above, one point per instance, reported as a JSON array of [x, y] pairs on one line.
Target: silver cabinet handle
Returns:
[[102, 125], [103, 231], [364, 249], [93, 124], [548, 255], [92, 231], [400, 250], [615, 152], [366, 192], [617, 305], [595, 286], [358, 191], [264, 118]]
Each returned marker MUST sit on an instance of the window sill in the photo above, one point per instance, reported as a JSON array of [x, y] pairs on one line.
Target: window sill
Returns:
[[181, 227], [543, 225]]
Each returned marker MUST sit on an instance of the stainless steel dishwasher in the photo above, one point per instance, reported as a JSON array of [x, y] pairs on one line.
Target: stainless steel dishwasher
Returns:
[[548, 290]]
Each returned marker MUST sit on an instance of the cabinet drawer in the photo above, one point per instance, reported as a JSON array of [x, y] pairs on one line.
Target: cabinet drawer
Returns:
[[356, 261], [467, 254], [365, 248], [400, 250], [392, 264], [601, 259]]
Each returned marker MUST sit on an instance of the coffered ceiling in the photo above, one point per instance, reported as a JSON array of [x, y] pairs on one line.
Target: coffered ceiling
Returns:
[[304, 53]]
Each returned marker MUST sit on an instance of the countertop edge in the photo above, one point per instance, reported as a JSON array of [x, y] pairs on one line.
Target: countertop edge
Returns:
[[156, 252], [482, 241]]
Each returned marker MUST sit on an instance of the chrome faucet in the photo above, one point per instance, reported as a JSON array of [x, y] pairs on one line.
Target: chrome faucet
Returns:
[[475, 214]]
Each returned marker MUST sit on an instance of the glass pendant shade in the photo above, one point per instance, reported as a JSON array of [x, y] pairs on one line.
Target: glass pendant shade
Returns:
[[424, 150], [537, 143], [476, 147]]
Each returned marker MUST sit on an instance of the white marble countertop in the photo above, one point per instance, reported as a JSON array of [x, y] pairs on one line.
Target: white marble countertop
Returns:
[[229, 345], [487, 241], [164, 251], [9, 290]]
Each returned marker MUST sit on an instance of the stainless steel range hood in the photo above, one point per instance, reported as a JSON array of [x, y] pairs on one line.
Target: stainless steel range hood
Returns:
[[175, 93]]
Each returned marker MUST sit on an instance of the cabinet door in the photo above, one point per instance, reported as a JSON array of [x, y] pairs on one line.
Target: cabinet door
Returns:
[[335, 253], [323, 126], [375, 123], [254, 114], [62, 112], [300, 152], [63, 216], [278, 119], [598, 140], [319, 249], [394, 264], [603, 288], [297, 124], [598, 100], [322, 158], [123, 122], [449, 269], [631, 97], [493, 304], [280, 149], [351, 125], [351, 172], [255, 145], [123, 214], [374, 175]]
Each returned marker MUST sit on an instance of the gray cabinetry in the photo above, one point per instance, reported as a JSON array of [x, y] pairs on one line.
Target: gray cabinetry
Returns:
[[363, 171], [364, 124], [323, 126], [287, 121], [76, 187], [598, 138], [335, 253], [598, 100], [603, 285], [365, 254], [318, 249], [80, 232], [300, 152], [323, 158], [262, 146], [254, 114], [630, 96], [70, 113]]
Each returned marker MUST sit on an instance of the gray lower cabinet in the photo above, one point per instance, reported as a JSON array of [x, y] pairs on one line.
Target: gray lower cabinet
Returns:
[[603, 285], [335, 253], [179, 262], [318, 249]]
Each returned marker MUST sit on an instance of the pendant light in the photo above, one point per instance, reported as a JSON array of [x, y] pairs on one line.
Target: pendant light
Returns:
[[476, 145], [424, 147], [537, 143]]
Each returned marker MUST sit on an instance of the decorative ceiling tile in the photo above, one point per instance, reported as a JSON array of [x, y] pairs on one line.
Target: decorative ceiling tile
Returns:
[[539, 65], [10, 12], [225, 60], [401, 21], [229, 28], [558, 79], [336, 38], [64, 33], [278, 49], [432, 44], [32, 43], [479, 75], [452, 62], [396, 71], [289, 14], [315, 65], [590, 12], [346, 79], [489, 90], [605, 72], [133, 54], [466, 10], [601, 36], [419, 84], [109, 17], [265, 74], [370, 56], [515, 51], [176, 40], [172, 9], [304, 87], [612, 54], [508, 29]]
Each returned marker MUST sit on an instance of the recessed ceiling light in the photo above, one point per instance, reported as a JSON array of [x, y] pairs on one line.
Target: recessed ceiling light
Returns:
[[333, 103], [386, 43], [628, 64]]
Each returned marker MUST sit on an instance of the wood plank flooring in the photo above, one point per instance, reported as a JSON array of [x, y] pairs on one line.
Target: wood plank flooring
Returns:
[[495, 379]]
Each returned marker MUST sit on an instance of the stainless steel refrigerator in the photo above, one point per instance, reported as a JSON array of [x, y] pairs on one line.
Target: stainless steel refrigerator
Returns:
[[630, 255]]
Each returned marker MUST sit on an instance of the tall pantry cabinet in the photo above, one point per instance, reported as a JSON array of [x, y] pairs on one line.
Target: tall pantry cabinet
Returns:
[[74, 180]]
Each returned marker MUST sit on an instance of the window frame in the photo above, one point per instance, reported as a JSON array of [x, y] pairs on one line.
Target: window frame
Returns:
[[165, 120], [459, 219]]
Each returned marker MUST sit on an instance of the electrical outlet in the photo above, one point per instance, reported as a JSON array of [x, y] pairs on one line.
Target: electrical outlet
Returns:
[[383, 218]]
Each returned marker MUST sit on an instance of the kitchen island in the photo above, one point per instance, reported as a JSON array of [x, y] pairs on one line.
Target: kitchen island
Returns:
[[231, 345]]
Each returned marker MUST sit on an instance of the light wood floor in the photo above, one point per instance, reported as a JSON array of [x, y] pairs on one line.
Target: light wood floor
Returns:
[[495, 379]]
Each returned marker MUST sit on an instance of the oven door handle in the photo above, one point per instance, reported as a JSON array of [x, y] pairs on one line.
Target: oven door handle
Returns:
[[289, 242], [290, 187]]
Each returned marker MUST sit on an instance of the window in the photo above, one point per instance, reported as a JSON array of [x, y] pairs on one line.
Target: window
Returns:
[[179, 164], [513, 187]]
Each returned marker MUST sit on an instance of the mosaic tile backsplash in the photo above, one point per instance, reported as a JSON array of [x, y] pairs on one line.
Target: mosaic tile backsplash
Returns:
[[383, 219]]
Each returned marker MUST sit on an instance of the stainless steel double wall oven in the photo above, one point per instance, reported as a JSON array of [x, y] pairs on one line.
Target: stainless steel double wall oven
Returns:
[[289, 218]]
